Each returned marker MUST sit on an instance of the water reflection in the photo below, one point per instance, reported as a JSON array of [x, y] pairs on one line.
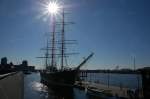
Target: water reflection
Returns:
[[34, 89], [37, 86], [52, 92]]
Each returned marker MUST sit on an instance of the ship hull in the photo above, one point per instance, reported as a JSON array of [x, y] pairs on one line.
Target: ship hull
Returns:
[[61, 78]]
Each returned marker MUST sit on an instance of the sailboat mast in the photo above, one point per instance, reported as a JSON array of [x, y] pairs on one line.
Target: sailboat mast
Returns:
[[62, 40], [53, 42], [46, 56]]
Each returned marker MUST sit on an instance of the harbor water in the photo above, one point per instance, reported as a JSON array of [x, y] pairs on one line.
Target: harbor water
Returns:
[[132, 81], [34, 89]]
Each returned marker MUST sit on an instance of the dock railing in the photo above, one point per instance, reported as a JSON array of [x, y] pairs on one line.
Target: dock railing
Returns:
[[118, 91]]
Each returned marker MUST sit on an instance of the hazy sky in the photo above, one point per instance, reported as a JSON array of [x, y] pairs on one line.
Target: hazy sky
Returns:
[[115, 30]]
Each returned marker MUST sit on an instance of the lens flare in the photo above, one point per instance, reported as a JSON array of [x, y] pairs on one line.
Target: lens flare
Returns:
[[53, 8], [50, 8]]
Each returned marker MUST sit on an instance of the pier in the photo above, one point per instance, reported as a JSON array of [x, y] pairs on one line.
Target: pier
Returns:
[[113, 91], [11, 85], [92, 85]]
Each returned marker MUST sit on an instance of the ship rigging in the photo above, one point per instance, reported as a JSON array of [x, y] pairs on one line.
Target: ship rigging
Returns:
[[53, 74]]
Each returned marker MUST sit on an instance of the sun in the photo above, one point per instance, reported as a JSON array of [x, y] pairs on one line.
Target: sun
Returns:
[[50, 9], [53, 7]]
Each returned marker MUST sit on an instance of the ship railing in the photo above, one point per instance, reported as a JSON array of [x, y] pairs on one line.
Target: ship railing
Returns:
[[67, 69]]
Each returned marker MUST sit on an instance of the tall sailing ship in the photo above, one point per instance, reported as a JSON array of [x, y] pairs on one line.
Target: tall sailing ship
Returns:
[[59, 75]]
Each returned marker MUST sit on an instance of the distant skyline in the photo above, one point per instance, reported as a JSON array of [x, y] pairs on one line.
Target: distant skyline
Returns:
[[115, 30]]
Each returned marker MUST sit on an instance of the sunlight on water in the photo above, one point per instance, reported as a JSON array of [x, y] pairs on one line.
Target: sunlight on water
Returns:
[[33, 89], [39, 86]]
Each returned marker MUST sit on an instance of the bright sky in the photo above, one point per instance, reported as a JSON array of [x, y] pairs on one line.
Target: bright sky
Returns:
[[115, 30]]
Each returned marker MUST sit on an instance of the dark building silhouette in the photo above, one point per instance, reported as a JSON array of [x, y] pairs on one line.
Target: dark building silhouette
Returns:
[[11, 64], [24, 63], [4, 61], [4, 67], [10, 67], [24, 67]]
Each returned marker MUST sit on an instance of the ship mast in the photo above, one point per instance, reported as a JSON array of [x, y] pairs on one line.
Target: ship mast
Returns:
[[53, 8], [46, 56], [53, 42], [63, 53], [62, 40]]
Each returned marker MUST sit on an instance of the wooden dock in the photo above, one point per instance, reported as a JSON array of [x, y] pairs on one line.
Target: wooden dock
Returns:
[[115, 91]]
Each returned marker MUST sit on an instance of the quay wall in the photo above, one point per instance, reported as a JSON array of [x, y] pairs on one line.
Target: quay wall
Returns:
[[11, 86]]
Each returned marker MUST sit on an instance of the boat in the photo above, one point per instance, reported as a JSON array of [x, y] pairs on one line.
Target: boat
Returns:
[[65, 75], [62, 77]]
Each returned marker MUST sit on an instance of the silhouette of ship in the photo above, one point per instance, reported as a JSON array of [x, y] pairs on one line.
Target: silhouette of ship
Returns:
[[65, 76]]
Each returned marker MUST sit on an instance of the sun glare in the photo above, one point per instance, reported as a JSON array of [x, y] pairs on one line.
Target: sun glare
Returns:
[[50, 8], [53, 8]]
